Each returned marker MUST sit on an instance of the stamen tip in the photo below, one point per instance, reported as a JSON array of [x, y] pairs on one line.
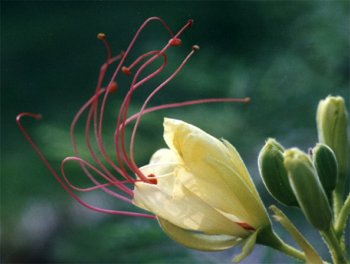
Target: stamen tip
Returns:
[[195, 48], [113, 87], [175, 42], [246, 99], [126, 70], [32, 115], [101, 36]]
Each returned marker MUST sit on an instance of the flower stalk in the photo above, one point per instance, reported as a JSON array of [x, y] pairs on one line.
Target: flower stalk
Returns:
[[334, 246], [269, 238], [343, 215]]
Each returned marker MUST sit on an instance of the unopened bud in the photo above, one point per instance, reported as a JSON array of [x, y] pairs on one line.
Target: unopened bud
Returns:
[[331, 121], [307, 188], [274, 174], [326, 166]]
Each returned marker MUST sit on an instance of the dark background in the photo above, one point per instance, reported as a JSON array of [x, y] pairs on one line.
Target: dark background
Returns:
[[285, 55]]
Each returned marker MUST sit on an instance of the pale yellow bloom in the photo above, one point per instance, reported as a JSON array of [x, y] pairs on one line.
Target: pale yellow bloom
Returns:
[[202, 185]]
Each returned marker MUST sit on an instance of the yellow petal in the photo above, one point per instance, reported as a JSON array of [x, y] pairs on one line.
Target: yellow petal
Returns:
[[163, 163], [215, 172], [199, 241], [238, 164], [184, 209], [177, 133]]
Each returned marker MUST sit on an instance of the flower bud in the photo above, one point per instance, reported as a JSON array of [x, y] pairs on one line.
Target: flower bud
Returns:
[[274, 174], [307, 188], [331, 121], [326, 166]]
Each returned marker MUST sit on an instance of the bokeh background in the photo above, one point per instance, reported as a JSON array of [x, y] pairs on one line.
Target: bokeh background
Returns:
[[285, 55]]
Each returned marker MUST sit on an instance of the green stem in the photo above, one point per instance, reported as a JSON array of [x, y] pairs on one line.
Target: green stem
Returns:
[[333, 244], [269, 238], [340, 222]]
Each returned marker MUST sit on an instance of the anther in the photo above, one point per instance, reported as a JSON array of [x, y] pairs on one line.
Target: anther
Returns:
[[175, 42], [195, 47], [152, 178], [190, 22], [101, 36], [126, 70], [112, 87]]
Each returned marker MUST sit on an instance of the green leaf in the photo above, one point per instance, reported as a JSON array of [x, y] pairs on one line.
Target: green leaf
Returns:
[[311, 255]]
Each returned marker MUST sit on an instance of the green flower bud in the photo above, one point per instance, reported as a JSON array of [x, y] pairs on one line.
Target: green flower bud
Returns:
[[274, 174], [331, 121], [307, 188], [326, 166]]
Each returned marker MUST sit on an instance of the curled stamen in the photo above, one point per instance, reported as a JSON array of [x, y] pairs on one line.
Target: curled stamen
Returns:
[[156, 90], [57, 177], [99, 173], [116, 183], [127, 70]]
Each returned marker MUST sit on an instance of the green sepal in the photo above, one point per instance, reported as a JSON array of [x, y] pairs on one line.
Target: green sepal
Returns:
[[308, 189], [248, 245], [274, 174], [310, 253], [326, 165], [196, 240]]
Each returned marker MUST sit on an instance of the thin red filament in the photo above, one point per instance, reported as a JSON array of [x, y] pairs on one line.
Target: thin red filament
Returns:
[[127, 172]]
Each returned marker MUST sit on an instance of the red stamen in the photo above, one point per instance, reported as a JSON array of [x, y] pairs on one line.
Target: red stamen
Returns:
[[95, 117], [156, 90], [140, 58], [102, 186], [53, 172]]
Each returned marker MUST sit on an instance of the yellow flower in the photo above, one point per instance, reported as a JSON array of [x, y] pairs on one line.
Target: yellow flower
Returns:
[[201, 185]]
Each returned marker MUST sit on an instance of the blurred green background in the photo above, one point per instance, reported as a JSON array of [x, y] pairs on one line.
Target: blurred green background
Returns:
[[286, 56]]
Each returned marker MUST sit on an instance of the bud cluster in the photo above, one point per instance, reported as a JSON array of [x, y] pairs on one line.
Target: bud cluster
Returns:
[[308, 181]]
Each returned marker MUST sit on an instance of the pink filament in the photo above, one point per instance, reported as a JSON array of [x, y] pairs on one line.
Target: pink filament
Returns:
[[102, 178], [53, 172]]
